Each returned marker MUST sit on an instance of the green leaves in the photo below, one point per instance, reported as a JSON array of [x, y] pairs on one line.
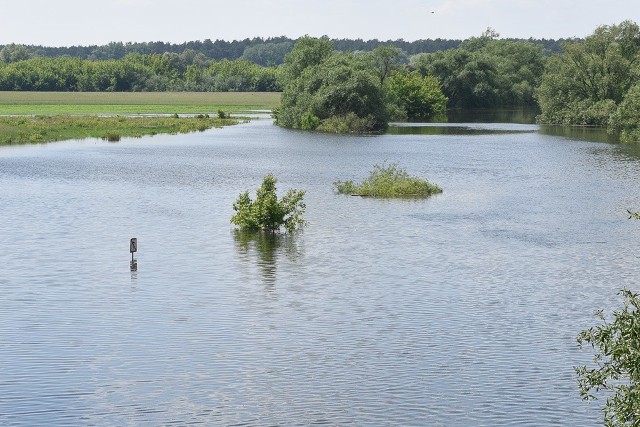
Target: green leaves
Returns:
[[389, 182], [592, 81], [617, 362], [324, 89], [485, 72], [419, 98], [266, 212]]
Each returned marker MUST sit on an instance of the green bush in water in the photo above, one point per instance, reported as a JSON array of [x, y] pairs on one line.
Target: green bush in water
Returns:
[[266, 212], [388, 182]]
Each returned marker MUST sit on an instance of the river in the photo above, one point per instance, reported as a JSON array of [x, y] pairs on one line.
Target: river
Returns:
[[457, 310]]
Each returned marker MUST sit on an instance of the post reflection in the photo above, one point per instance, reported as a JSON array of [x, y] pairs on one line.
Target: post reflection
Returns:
[[266, 247]]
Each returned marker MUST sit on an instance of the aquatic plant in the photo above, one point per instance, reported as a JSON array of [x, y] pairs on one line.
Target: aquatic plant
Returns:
[[388, 181], [266, 212]]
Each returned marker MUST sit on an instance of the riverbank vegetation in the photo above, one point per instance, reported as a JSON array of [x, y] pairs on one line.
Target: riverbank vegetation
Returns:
[[266, 212], [486, 72], [596, 82], [353, 86], [390, 181], [38, 129], [331, 91]]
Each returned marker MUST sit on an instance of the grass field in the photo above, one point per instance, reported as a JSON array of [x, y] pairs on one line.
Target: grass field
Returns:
[[113, 103]]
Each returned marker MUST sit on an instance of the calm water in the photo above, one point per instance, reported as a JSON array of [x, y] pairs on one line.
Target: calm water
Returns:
[[459, 310]]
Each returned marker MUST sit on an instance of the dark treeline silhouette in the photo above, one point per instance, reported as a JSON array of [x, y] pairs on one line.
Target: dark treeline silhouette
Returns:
[[263, 51]]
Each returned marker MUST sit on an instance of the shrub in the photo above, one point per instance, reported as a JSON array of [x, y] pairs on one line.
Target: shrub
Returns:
[[617, 360], [309, 121], [266, 212], [388, 181], [349, 123]]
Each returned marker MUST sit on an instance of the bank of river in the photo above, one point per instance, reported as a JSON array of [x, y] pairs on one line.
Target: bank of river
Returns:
[[461, 309], [40, 129]]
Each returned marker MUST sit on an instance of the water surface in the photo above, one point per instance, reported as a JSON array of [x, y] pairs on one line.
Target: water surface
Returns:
[[457, 310]]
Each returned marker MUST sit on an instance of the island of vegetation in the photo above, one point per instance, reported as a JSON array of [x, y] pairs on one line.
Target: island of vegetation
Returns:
[[390, 181], [266, 212], [338, 92], [38, 129]]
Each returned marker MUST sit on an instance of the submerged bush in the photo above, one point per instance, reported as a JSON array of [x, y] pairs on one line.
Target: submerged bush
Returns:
[[388, 181], [349, 123], [266, 212]]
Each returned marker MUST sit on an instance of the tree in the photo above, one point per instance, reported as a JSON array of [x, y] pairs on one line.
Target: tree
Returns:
[[585, 84], [417, 97], [625, 119], [267, 54], [617, 361], [307, 52], [330, 91], [14, 53], [266, 212], [485, 72], [385, 58]]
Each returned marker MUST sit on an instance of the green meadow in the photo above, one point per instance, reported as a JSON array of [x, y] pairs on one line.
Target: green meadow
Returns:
[[36, 117], [123, 103]]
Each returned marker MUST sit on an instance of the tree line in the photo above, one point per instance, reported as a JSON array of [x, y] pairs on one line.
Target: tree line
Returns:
[[187, 71], [479, 72], [596, 82], [592, 81], [263, 51]]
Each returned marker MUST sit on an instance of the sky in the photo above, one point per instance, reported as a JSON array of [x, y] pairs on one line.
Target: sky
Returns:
[[89, 22]]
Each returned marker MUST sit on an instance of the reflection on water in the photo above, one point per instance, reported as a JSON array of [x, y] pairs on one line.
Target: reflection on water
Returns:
[[580, 133], [502, 115], [264, 248], [458, 129]]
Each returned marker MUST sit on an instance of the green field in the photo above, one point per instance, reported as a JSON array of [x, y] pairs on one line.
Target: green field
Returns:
[[114, 103]]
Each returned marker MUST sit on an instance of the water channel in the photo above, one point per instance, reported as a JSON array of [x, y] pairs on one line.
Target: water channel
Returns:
[[458, 310]]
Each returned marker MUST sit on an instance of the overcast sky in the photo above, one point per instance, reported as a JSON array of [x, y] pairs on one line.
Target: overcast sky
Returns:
[[86, 22]]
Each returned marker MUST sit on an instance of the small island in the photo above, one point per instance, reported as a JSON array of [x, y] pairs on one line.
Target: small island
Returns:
[[389, 182]]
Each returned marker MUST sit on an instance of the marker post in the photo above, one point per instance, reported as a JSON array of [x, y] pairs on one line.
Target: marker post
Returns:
[[133, 248]]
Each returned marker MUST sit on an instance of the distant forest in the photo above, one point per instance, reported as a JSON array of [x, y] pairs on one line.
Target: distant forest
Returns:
[[261, 51]]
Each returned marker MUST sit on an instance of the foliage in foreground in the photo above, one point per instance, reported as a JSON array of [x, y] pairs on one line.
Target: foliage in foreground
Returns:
[[266, 212], [617, 361], [388, 182], [38, 129]]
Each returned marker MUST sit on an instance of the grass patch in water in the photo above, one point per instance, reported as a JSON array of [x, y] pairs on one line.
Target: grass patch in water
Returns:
[[39, 129], [388, 182]]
